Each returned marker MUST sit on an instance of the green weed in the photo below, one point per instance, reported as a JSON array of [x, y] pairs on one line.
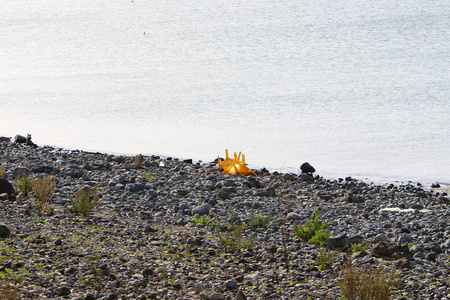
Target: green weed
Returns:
[[25, 185], [260, 220], [203, 220], [313, 231]]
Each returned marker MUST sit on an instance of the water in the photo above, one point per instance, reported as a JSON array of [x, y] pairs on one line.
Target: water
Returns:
[[357, 89]]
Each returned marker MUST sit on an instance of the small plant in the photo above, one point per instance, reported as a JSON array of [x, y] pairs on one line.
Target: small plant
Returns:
[[203, 220], [41, 221], [85, 200], [324, 259], [148, 175], [43, 188], [233, 240], [25, 185], [313, 231], [260, 220], [359, 247], [366, 284]]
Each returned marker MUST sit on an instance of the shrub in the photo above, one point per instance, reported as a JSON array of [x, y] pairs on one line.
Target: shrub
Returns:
[[313, 231], [366, 284], [43, 188], [85, 200], [25, 185]]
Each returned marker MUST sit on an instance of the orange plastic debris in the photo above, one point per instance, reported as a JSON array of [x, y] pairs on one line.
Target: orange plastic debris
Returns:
[[234, 166]]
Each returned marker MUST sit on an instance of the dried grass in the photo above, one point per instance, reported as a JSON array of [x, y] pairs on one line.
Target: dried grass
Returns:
[[366, 284], [43, 188], [9, 291], [2, 172]]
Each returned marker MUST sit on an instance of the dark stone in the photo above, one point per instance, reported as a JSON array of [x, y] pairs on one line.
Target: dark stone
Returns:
[[338, 242], [6, 187], [231, 285], [306, 178], [307, 168], [431, 256], [147, 272], [182, 192], [89, 296], [4, 231], [223, 195], [5, 139], [42, 169], [253, 182], [417, 206], [188, 161], [64, 291]]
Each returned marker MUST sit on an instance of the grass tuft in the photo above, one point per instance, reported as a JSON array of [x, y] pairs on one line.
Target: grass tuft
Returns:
[[85, 200], [366, 284], [43, 188]]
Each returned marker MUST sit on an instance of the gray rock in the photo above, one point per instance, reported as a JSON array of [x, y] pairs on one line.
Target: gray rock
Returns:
[[292, 216], [4, 197], [201, 210], [380, 238], [135, 187], [20, 139], [404, 239], [152, 193]]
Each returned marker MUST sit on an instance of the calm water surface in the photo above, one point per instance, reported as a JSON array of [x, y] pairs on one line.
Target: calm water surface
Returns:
[[358, 88]]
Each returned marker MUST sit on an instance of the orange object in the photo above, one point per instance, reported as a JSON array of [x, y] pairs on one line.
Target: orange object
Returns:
[[234, 166]]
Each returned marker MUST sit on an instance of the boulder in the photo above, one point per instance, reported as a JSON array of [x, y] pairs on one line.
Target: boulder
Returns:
[[4, 231], [6, 187], [306, 168], [19, 172], [201, 210], [338, 242], [20, 139]]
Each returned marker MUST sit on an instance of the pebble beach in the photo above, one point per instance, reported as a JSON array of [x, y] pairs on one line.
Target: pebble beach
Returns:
[[180, 229]]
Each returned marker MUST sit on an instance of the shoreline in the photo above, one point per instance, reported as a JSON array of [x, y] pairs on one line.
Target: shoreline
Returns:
[[374, 179], [145, 239]]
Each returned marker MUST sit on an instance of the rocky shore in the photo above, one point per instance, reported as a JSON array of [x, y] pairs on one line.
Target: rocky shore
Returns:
[[174, 229]]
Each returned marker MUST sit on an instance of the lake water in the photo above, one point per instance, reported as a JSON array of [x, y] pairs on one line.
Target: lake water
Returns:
[[357, 88]]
